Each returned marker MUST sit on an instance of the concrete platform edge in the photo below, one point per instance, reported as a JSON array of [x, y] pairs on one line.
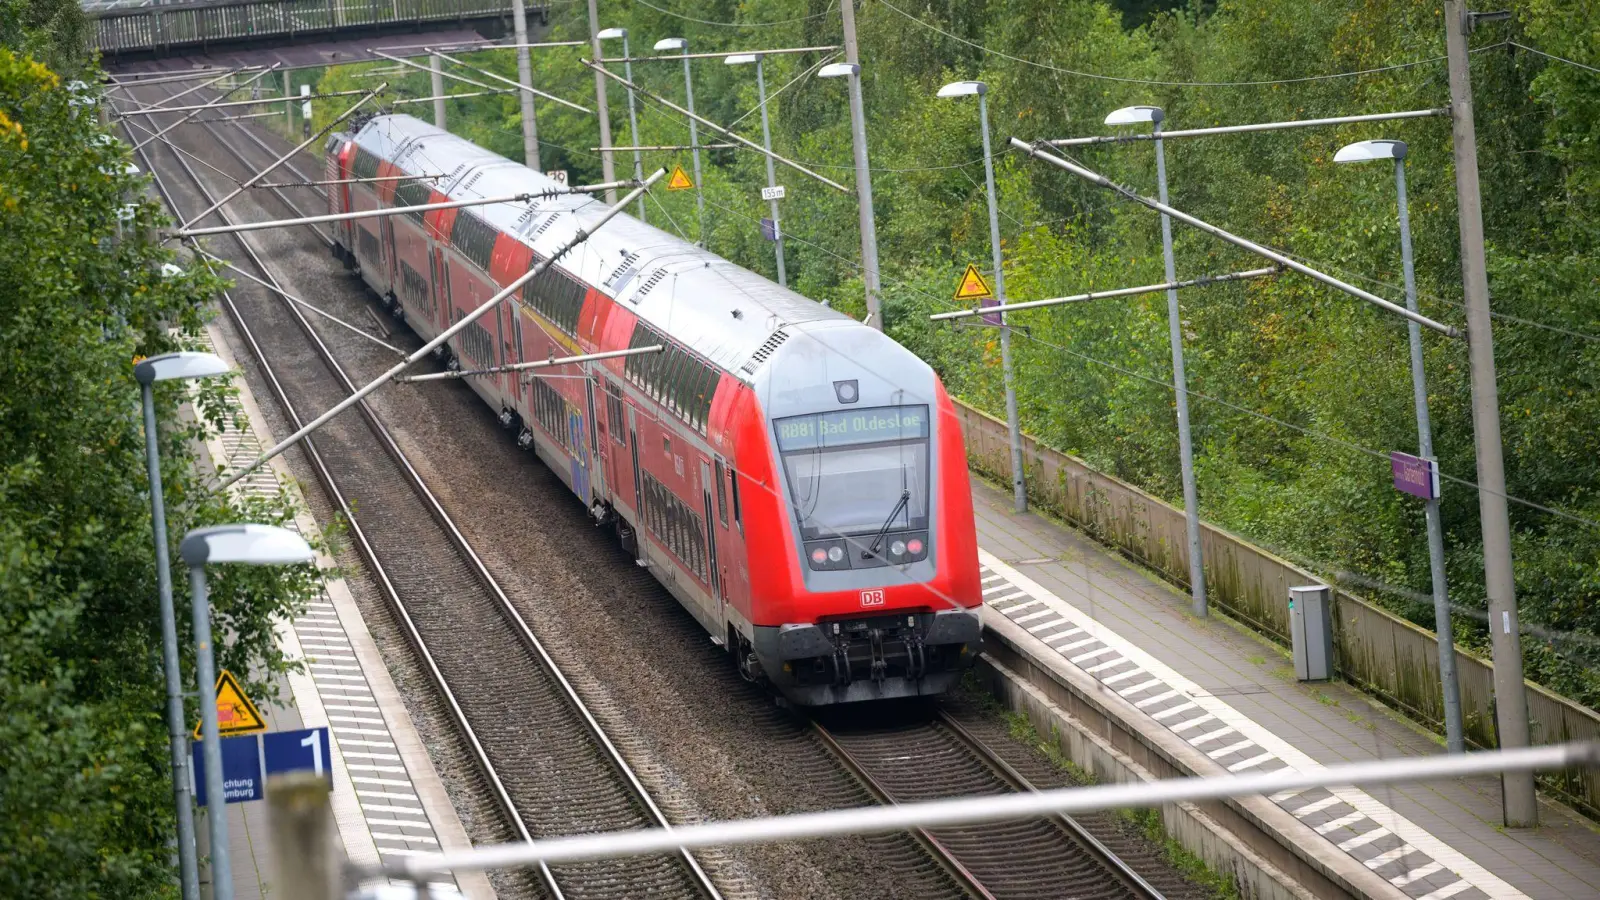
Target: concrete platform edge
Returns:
[[447, 825], [1276, 855]]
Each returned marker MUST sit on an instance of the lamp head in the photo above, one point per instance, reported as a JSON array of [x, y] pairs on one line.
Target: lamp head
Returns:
[[838, 70], [963, 89], [1366, 151], [607, 34], [1133, 115], [672, 44], [256, 545], [742, 59], [183, 364]]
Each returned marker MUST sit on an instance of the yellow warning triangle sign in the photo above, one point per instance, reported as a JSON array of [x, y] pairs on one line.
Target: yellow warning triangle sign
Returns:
[[235, 713], [973, 286], [679, 180]]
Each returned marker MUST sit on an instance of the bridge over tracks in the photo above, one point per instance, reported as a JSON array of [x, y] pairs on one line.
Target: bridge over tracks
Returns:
[[124, 31]]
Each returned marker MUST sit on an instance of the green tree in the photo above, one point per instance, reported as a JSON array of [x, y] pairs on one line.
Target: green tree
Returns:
[[85, 798]]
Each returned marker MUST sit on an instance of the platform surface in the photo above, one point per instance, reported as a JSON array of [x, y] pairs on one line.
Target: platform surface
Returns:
[[387, 798], [1232, 694]]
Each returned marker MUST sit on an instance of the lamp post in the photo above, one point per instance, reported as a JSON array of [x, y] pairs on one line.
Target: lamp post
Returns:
[[858, 140], [1367, 151], [633, 117], [766, 142], [257, 545], [682, 46], [1131, 115], [147, 372], [966, 89]]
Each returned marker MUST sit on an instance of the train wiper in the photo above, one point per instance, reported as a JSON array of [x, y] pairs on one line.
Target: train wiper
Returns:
[[905, 497]]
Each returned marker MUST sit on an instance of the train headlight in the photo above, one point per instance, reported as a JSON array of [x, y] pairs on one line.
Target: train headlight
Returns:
[[898, 548], [915, 546], [819, 556], [835, 553]]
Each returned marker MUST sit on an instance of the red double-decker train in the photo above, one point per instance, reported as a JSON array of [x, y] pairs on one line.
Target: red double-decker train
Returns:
[[795, 479]]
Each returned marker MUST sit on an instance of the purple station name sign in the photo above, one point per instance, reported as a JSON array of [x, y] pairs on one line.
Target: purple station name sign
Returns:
[[1415, 475]]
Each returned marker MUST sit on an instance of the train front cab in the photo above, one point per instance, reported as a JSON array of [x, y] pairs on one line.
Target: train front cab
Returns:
[[869, 587]]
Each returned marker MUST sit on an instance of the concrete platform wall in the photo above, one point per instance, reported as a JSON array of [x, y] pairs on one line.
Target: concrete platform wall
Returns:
[[1382, 653]]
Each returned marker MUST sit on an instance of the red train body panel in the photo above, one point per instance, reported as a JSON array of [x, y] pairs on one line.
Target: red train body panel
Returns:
[[795, 479]]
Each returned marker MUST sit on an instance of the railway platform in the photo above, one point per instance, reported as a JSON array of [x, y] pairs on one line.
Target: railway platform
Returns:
[[387, 798], [1226, 700]]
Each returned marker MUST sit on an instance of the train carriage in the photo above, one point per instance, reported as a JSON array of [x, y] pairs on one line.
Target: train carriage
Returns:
[[795, 479]]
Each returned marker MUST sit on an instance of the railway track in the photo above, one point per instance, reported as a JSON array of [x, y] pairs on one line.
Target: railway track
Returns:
[[911, 758], [914, 759], [539, 750]]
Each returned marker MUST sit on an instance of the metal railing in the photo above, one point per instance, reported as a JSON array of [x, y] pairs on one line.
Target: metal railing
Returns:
[[178, 27]]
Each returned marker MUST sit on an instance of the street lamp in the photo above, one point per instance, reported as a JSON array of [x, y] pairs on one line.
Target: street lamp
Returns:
[[858, 139], [1132, 115], [1367, 151], [1019, 486], [167, 367], [682, 45], [633, 118], [742, 59], [257, 545]]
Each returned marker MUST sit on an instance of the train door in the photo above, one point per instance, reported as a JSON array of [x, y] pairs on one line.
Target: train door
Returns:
[[387, 251], [596, 467], [580, 456], [517, 351], [713, 558], [638, 485], [721, 566]]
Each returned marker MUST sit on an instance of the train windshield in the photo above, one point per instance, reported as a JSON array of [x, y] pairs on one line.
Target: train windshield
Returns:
[[857, 472]]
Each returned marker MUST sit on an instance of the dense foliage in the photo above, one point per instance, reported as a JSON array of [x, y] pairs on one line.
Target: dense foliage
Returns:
[[1300, 391], [85, 798]]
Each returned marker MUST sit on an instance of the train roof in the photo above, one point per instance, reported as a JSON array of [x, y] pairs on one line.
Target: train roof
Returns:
[[728, 314]]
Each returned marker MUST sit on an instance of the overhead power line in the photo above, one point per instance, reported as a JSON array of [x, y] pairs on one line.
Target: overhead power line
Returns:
[[679, 15], [1554, 57], [1096, 75]]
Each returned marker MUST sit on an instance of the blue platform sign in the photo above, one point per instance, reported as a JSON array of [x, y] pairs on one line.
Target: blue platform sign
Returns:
[[306, 750], [241, 769], [769, 229]]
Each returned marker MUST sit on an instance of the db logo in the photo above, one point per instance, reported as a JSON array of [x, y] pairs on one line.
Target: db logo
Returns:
[[872, 598]]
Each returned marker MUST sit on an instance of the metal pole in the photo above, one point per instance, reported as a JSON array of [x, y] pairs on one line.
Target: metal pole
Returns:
[[288, 107], [177, 735], [530, 125], [694, 142], [285, 158], [1511, 702], [1230, 237], [772, 175], [1243, 129], [719, 129], [445, 335], [1019, 487], [1454, 742], [216, 801], [858, 129], [603, 108], [1203, 281], [436, 85], [633, 119], [1180, 385]]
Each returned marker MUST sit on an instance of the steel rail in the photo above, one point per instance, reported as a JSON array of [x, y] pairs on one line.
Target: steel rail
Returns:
[[1020, 783], [368, 552], [941, 856], [459, 540]]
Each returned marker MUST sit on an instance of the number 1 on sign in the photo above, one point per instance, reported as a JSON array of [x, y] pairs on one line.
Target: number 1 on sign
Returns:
[[314, 741]]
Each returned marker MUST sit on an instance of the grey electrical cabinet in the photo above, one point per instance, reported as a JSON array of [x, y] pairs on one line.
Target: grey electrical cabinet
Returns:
[[1311, 629]]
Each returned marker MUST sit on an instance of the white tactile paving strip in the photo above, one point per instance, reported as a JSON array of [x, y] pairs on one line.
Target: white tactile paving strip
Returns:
[[375, 802], [1413, 860]]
